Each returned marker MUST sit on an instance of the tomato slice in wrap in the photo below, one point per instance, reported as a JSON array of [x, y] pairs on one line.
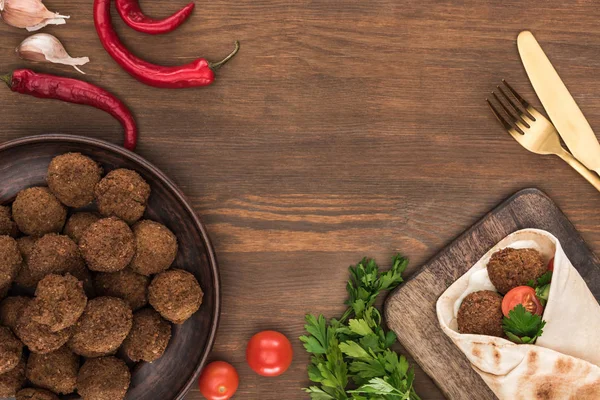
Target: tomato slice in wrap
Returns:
[[524, 295]]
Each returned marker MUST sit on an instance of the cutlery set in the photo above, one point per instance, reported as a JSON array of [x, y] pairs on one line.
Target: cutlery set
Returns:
[[534, 131]]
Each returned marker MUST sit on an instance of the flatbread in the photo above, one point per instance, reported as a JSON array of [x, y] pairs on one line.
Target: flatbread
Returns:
[[565, 361]]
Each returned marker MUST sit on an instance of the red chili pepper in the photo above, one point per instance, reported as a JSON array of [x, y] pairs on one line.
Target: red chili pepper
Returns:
[[134, 17], [47, 86], [199, 72]]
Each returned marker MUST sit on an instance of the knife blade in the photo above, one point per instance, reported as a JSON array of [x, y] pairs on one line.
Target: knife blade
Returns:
[[564, 112]]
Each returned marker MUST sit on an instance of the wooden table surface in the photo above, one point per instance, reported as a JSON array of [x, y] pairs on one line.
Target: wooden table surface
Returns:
[[342, 129]]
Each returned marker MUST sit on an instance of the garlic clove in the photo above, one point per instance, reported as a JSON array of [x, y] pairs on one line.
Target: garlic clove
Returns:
[[43, 47], [49, 21], [29, 14]]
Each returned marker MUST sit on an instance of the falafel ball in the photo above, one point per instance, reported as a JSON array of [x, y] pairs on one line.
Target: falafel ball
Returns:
[[37, 212], [11, 308], [149, 336], [10, 263], [55, 371], [13, 380], [78, 223], [104, 378], [102, 328], [108, 245], [7, 225], [72, 178], [122, 193], [124, 284], [156, 248], [60, 301], [175, 294], [26, 246], [38, 337], [54, 253], [72, 263], [509, 268], [36, 394], [480, 313], [11, 350], [25, 278], [83, 274]]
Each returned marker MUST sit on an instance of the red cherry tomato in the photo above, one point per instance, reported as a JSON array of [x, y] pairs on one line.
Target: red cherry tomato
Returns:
[[551, 265], [524, 295], [218, 381], [269, 353]]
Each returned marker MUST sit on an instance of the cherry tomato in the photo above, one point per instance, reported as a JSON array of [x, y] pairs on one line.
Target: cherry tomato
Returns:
[[551, 265], [524, 295], [218, 381], [269, 353]]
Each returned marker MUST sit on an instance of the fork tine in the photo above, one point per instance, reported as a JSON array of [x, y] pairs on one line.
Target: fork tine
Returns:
[[517, 95], [508, 126], [514, 121], [512, 109], [507, 120], [520, 99]]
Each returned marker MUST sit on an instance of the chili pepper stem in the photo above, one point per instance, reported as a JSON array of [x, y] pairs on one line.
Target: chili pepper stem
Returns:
[[7, 79], [217, 65]]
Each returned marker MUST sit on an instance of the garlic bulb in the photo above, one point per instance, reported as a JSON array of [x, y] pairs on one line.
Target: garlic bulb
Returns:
[[29, 14], [44, 47]]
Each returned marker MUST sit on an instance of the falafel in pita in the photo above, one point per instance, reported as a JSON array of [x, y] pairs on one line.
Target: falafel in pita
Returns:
[[564, 362]]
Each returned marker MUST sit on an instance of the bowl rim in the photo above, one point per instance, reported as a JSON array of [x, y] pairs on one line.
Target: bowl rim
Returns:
[[212, 259]]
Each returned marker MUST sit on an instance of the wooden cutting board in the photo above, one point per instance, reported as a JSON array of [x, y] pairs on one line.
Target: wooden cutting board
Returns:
[[410, 309]]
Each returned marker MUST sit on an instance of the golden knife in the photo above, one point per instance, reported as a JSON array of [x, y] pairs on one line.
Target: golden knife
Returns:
[[558, 102]]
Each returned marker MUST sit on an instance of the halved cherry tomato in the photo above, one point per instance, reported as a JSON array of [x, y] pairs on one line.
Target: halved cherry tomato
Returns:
[[269, 353], [551, 265], [524, 295], [218, 381]]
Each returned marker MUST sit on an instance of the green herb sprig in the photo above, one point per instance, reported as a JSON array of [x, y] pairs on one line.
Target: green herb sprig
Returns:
[[521, 326], [351, 357], [542, 287], [543, 280]]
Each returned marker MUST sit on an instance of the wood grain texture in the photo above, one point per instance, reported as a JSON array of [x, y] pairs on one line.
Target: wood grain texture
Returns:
[[342, 129], [417, 326]]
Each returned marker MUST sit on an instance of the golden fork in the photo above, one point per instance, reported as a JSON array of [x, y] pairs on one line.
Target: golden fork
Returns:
[[532, 130]]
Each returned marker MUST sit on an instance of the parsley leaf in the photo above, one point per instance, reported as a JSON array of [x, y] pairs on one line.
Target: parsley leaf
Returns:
[[354, 350], [542, 286], [390, 339], [541, 281], [356, 347], [317, 393], [544, 279], [531, 283], [377, 386], [366, 282], [360, 327], [319, 340], [521, 326], [371, 343], [365, 370]]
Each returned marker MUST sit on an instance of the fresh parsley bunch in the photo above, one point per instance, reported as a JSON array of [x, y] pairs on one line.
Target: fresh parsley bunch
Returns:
[[351, 357]]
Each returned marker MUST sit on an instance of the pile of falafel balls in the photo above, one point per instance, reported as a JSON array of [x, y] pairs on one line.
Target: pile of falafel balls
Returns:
[[102, 285]]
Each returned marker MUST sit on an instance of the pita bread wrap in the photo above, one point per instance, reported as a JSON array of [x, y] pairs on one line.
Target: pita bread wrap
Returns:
[[565, 361]]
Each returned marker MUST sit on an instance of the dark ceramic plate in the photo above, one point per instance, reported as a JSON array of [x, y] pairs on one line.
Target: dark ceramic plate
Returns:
[[24, 163]]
